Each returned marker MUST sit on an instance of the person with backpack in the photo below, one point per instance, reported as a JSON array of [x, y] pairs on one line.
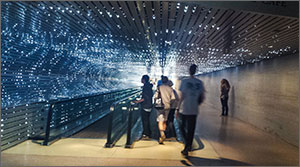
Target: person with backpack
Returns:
[[192, 95], [165, 96]]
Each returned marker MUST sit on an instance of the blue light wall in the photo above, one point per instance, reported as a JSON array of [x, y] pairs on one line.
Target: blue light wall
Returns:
[[46, 57]]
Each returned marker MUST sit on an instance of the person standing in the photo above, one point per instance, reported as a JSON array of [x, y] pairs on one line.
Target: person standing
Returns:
[[165, 92], [192, 95], [146, 101], [225, 87]]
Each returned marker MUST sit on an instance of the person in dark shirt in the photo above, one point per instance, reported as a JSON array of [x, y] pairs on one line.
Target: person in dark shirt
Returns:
[[146, 103], [225, 87]]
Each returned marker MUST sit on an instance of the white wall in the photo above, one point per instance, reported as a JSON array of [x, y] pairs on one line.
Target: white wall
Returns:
[[264, 94]]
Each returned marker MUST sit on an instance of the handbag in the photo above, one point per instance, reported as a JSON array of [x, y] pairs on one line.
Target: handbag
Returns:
[[158, 103]]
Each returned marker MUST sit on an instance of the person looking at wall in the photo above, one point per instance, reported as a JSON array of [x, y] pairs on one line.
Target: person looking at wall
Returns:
[[225, 87]]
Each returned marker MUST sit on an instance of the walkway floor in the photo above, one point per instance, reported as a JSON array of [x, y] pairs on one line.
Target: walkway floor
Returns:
[[219, 141]]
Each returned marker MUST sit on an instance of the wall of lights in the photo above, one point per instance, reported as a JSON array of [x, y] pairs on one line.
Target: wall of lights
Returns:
[[42, 63]]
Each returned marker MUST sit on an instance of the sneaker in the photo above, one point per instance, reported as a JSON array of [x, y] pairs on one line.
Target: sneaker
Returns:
[[185, 152], [145, 137], [161, 140]]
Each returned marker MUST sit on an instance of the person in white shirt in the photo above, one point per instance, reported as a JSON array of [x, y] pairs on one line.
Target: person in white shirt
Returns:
[[192, 95], [170, 122], [167, 96]]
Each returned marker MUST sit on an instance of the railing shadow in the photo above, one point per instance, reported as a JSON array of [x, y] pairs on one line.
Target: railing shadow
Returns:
[[198, 161]]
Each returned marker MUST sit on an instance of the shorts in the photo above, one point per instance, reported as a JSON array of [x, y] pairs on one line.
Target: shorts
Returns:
[[162, 115]]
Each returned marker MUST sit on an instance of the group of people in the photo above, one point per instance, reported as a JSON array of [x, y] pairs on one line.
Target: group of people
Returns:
[[168, 103]]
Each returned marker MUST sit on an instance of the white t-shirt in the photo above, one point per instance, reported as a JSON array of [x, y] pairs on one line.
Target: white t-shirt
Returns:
[[191, 89], [167, 95]]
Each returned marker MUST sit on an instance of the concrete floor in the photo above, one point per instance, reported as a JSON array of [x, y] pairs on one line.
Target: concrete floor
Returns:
[[219, 141]]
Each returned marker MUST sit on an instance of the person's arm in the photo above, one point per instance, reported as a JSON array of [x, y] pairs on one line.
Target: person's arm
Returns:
[[138, 101], [181, 98]]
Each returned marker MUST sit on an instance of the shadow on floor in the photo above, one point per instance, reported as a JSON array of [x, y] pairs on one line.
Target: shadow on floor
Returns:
[[198, 145], [197, 161]]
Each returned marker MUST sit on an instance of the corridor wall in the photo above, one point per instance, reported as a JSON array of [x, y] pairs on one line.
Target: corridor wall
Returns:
[[264, 94]]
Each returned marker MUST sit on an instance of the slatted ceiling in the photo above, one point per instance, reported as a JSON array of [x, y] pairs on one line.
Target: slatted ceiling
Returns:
[[113, 21], [234, 34], [204, 25], [137, 22], [186, 24], [213, 31], [266, 34], [142, 18], [138, 17], [100, 24], [209, 28]]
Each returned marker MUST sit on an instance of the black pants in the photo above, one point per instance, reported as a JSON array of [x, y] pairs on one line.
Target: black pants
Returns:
[[224, 103], [170, 131], [146, 122], [187, 128]]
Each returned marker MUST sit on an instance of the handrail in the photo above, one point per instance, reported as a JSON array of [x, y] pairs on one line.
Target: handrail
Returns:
[[51, 106], [67, 99], [47, 135], [133, 123], [80, 98], [109, 142], [128, 142]]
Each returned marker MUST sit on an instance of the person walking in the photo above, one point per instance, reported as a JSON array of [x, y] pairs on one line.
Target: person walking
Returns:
[[225, 87], [170, 122], [192, 95], [146, 102], [167, 96]]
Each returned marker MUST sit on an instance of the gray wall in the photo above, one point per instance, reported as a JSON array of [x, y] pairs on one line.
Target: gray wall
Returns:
[[264, 94]]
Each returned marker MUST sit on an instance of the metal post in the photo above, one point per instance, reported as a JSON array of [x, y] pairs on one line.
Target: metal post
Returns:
[[128, 143], [109, 129], [46, 140]]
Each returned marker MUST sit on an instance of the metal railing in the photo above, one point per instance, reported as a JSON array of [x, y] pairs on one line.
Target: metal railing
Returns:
[[134, 128], [118, 119], [70, 116], [49, 120]]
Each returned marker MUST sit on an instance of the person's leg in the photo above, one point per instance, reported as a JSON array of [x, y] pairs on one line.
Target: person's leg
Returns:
[[223, 106], [182, 127], [147, 124], [170, 124], [144, 121], [191, 125], [226, 105], [161, 126]]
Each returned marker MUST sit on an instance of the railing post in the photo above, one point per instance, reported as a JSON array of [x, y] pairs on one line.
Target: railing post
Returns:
[[109, 129], [47, 135], [128, 143]]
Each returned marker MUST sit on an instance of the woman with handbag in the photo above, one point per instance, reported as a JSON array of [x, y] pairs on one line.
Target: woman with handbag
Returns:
[[163, 97]]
